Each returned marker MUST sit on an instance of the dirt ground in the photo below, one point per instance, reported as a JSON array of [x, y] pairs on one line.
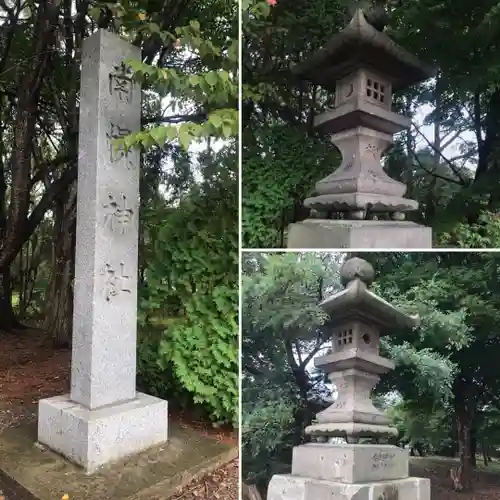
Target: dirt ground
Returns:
[[31, 370], [486, 483]]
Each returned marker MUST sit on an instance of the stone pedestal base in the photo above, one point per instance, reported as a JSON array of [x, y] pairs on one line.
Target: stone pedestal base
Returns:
[[303, 488], [91, 438], [324, 233], [348, 472], [350, 463]]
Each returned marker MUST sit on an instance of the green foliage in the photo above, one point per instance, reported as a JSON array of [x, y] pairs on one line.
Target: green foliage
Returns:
[[483, 234], [285, 282], [269, 432], [272, 190], [432, 431], [193, 272], [281, 328], [211, 83], [150, 375]]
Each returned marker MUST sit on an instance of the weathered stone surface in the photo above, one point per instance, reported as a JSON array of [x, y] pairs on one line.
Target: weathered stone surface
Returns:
[[92, 438], [359, 203], [357, 317], [350, 463], [103, 363], [356, 268], [338, 234], [363, 114], [353, 403], [361, 175], [103, 419], [284, 487]]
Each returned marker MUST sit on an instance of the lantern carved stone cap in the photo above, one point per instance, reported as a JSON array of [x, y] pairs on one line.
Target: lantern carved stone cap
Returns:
[[356, 300], [362, 45]]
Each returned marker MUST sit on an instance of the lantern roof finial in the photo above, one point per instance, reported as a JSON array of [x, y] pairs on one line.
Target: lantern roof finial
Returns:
[[357, 268]]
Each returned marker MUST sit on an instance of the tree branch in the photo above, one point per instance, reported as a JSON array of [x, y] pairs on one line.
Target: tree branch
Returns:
[[442, 177], [196, 118], [451, 165]]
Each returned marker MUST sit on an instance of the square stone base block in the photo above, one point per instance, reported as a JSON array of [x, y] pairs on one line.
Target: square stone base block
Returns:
[[350, 463], [333, 234], [91, 438], [303, 488]]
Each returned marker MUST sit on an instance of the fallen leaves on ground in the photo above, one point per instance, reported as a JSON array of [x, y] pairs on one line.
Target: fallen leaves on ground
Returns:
[[223, 484]]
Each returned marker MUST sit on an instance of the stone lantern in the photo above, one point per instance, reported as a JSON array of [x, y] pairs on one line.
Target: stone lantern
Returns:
[[363, 66], [327, 470]]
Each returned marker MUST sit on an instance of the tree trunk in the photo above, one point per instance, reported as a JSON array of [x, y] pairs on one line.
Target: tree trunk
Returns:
[[473, 447], [462, 479], [250, 492], [8, 319], [21, 220], [420, 449], [59, 318], [484, 451]]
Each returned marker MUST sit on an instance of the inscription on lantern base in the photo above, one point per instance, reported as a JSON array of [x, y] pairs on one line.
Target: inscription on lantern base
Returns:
[[350, 463]]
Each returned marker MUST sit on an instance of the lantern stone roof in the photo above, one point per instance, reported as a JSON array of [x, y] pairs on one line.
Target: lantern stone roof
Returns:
[[356, 300], [361, 45]]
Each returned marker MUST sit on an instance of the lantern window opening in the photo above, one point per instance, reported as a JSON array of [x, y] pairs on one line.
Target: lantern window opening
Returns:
[[375, 90], [344, 337]]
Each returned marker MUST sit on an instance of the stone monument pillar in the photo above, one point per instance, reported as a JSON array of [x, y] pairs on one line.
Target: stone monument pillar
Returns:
[[322, 470], [363, 66], [104, 418]]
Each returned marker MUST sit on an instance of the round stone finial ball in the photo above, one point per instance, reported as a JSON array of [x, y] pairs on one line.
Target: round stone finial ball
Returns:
[[357, 268]]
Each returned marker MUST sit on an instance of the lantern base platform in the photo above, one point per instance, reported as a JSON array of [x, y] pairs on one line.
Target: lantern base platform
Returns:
[[326, 233], [291, 487], [350, 463], [356, 430]]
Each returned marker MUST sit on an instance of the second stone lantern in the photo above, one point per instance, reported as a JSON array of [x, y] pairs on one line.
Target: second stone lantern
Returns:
[[325, 470], [363, 66]]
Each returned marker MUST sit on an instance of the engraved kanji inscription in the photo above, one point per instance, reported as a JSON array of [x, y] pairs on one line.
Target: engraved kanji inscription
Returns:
[[338, 464], [116, 154], [118, 216], [115, 281], [371, 148], [121, 85], [383, 460]]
